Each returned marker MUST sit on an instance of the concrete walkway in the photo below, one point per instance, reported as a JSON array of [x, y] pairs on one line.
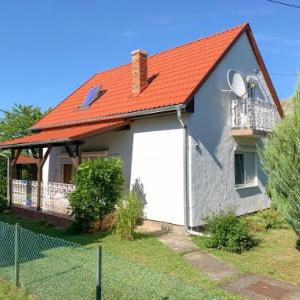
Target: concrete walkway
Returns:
[[250, 286]]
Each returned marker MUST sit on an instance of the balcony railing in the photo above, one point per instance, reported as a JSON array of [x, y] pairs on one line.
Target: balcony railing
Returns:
[[54, 196], [253, 114]]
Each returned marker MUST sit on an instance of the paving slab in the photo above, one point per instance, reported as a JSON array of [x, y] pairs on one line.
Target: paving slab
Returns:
[[211, 266], [172, 236], [258, 287]]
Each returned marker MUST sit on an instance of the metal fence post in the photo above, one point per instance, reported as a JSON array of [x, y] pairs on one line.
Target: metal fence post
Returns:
[[17, 262], [99, 274]]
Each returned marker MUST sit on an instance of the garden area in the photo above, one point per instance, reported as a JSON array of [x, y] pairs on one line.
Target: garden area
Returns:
[[273, 249], [143, 265]]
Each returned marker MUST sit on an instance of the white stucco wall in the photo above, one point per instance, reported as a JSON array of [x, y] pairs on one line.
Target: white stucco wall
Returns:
[[157, 160], [152, 151], [211, 153]]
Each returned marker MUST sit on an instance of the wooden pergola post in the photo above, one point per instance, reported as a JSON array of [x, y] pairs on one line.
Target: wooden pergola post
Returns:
[[41, 161], [12, 162], [74, 155], [39, 179]]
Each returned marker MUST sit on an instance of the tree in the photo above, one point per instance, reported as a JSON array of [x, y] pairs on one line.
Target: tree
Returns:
[[281, 162], [15, 123]]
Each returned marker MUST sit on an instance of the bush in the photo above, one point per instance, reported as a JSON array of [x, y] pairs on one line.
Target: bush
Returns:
[[99, 184], [265, 220], [3, 203], [3, 185], [281, 160], [127, 217], [229, 232]]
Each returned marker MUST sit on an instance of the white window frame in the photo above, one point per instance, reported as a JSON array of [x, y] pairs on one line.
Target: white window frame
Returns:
[[244, 151]]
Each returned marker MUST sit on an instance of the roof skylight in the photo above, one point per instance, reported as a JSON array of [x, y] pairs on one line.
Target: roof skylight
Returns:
[[92, 95]]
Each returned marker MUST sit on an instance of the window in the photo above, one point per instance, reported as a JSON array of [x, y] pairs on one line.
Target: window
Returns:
[[251, 90], [245, 168], [68, 171]]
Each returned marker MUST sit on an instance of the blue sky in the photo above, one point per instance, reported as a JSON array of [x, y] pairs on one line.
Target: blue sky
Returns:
[[49, 47]]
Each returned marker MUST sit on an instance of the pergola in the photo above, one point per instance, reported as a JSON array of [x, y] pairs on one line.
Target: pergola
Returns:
[[71, 138]]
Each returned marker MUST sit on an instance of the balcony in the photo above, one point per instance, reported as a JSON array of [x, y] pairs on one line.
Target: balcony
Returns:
[[252, 117]]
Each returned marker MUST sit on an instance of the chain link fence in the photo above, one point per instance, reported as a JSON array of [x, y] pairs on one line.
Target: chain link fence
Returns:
[[52, 268]]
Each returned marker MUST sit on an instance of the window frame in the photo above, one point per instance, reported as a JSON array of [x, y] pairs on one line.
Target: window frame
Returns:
[[255, 181]]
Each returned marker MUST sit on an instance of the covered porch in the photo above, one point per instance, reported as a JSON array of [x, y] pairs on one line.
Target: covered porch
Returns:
[[41, 197]]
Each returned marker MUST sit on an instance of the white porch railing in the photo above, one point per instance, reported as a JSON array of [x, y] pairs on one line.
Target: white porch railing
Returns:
[[54, 196], [254, 114]]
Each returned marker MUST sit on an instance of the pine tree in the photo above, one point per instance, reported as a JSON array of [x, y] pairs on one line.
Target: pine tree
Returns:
[[281, 162]]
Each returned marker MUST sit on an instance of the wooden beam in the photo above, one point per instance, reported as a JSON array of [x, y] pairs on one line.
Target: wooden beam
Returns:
[[78, 157], [15, 156], [39, 179], [72, 155], [46, 155]]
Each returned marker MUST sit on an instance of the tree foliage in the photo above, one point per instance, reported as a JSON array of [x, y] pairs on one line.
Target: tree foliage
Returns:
[[281, 161], [17, 121], [99, 184]]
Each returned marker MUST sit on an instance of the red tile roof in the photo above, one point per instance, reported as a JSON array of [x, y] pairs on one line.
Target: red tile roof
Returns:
[[26, 160], [69, 133], [179, 72]]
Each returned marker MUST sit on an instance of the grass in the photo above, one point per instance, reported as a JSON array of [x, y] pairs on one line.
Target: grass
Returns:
[[142, 262], [7, 291], [276, 255]]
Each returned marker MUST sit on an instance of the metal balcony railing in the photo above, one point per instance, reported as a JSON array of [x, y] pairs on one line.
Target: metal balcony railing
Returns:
[[253, 114]]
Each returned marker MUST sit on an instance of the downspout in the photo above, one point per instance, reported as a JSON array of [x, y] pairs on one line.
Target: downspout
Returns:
[[185, 174]]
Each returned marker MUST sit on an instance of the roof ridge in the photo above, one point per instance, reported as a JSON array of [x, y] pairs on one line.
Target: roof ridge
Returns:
[[179, 46], [242, 26]]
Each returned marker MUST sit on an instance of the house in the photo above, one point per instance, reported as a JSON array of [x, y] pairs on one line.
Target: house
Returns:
[[177, 120]]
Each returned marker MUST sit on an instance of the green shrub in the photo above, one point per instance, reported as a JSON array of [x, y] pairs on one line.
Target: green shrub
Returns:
[[99, 184], [3, 203], [265, 220], [229, 232], [127, 217]]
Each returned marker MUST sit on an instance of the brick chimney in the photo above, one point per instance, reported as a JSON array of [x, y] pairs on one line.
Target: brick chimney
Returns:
[[139, 71]]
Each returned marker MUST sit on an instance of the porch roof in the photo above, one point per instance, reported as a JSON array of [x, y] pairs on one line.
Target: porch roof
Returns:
[[61, 135]]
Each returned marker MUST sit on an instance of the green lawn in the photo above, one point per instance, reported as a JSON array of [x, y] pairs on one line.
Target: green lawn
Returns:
[[276, 256], [7, 291], [144, 265]]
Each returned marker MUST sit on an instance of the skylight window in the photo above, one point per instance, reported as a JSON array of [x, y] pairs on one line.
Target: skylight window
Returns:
[[93, 94]]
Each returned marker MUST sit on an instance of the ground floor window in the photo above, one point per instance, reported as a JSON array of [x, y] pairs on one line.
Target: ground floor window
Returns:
[[68, 171], [245, 168]]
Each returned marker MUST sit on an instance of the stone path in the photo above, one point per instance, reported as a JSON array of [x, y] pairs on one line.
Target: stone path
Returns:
[[211, 266], [250, 286], [257, 287]]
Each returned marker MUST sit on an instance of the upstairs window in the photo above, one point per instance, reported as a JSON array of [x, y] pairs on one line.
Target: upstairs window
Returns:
[[93, 94], [245, 169]]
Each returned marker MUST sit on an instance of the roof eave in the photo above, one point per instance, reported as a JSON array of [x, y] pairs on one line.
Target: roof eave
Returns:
[[41, 144], [139, 113]]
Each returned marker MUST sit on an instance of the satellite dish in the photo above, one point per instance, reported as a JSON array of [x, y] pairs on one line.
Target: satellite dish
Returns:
[[236, 83]]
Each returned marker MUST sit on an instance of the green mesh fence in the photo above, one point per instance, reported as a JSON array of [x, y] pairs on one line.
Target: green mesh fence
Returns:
[[52, 268]]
